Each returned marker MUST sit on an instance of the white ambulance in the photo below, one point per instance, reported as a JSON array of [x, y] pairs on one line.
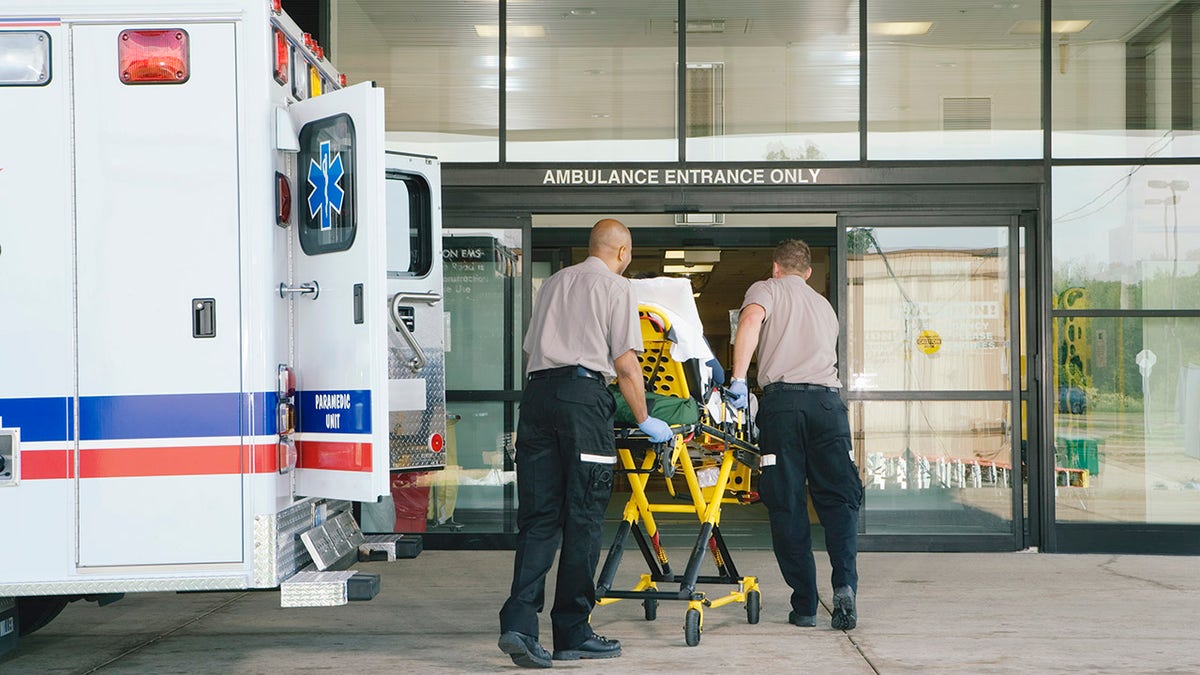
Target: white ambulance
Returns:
[[220, 318]]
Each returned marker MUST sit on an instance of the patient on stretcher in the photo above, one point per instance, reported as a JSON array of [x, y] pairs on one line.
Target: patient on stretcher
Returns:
[[670, 299]]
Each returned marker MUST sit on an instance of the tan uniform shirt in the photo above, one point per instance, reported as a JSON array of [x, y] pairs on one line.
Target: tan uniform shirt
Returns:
[[584, 315], [798, 342]]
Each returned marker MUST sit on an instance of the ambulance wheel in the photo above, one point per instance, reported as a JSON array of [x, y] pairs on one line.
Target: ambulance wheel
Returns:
[[36, 611], [650, 605], [691, 627], [753, 605]]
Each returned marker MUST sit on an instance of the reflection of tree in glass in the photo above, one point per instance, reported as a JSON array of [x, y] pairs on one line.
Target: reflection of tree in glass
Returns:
[[777, 151]]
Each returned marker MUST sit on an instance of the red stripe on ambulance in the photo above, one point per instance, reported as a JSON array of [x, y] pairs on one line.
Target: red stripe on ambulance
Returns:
[[334, 455], [47, 464], [196, 460]]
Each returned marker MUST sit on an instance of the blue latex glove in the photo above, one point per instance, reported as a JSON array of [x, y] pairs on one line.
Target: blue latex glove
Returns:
[[718, 373], [658, 430], [739, 394]]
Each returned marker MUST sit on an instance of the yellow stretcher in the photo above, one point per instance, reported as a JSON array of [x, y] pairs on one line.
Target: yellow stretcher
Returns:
[[714, 458]]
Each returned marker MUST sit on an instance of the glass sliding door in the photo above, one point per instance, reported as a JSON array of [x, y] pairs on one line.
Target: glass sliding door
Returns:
[[474, 496], [931, 355]]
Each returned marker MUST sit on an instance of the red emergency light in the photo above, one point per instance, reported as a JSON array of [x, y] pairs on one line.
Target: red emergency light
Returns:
[[277, 7], [319, 51], [342, 79], [282, 52], [283, 208], [153, 56]]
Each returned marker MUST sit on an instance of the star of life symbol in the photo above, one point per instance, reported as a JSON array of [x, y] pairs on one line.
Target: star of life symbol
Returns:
[[326, 195]]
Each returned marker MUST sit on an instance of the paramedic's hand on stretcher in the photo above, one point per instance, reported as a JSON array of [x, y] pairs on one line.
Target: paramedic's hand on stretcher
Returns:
[[658, 430], [739, 394]]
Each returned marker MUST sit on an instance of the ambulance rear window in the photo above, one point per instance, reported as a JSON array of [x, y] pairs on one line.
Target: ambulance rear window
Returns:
[[410, 212], [327, 185], [24, 58]]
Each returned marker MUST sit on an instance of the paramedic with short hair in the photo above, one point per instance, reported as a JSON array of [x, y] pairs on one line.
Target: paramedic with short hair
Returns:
[[804, 430], [584, 330]]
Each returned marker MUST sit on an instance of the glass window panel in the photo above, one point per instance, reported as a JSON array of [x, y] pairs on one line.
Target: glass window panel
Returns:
[[772, 80], [928, 308], [1117, 79], [935, 467], [1126, 237], [469, 495], [439, 76], [1127, 419], [946, 82], [483, 306], [1022, 328], [592, 82]]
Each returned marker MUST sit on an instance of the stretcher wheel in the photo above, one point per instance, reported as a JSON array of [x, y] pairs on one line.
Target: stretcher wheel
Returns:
[[753, 605], [691, 627], [650, 605]]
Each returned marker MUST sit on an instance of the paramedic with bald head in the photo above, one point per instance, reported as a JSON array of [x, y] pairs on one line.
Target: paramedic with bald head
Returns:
[[804, 430], [583, 331]]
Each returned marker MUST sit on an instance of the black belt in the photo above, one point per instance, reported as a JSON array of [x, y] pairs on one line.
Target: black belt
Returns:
[[788, 386], [568, 371]]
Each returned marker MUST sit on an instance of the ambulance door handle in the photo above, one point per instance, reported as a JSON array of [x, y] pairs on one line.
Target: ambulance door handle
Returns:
[[418, 360], [311, 287]]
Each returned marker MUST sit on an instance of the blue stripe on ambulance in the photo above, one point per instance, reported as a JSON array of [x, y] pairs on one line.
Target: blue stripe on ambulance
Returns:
[[40, 419], [105, 418]]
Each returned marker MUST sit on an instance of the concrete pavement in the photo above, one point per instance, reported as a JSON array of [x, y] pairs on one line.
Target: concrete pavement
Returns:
[[931, 612]]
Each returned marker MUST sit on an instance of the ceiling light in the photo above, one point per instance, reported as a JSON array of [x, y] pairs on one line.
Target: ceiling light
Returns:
[[704, 26], [1034, 27], [491, 31], [901, 27], [692, 256], [687, 269], [582, 11], [698, 256]]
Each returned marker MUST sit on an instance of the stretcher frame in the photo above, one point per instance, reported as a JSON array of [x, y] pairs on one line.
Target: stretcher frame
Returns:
[[727, 442]]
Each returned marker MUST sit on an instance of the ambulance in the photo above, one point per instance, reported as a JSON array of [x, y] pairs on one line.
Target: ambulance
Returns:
[[221, 327]]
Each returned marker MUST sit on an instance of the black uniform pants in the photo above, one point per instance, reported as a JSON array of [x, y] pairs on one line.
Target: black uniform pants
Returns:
[[565, 458], [807, 435]]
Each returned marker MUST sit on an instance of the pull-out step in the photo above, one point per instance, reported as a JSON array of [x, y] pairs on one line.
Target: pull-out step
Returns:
[[389, 547], [316, 589], [333, 546]]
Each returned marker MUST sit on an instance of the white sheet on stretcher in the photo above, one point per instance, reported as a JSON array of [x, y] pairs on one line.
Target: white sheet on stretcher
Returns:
[[674, 295]]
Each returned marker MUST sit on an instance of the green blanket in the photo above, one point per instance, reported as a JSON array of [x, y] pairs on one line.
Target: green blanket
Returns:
[[670, 409]]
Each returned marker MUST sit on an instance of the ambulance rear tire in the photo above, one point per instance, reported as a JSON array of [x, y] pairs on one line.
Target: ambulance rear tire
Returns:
[[650, 605], [691, 627], [36, 611]]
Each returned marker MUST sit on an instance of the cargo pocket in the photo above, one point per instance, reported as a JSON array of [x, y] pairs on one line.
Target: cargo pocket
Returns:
[[768, 492], [598, 486]]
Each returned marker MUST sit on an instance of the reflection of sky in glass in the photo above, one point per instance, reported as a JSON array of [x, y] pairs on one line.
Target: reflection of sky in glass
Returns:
[[939, 238], [1112, 216]]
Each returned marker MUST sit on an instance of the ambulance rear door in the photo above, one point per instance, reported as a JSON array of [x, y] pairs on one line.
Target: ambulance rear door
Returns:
[[416, 334], [339, 291]]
